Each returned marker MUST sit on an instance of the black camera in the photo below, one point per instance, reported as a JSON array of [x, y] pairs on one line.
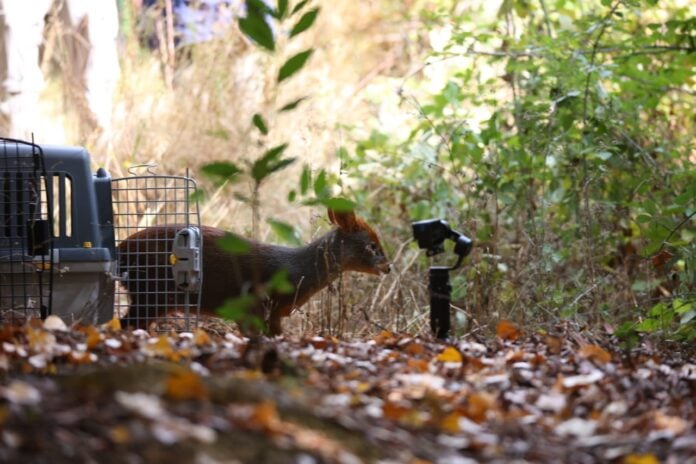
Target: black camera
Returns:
[[432, 233]]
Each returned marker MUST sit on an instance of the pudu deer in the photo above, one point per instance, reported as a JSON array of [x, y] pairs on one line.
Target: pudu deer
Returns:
[[351, 245]]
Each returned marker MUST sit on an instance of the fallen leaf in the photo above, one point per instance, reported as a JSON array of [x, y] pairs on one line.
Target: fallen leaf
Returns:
[[640, 459], [142, 404], [595, 353], [554, 343], [114, 324], [582, 380], [478, 405], [40, 340], [674, 424], [450, 423], [450, 354], [554, 402], [93, 336], [577, 427], [507, 330], [54, 322], [185, 385], [201, 337], [385, 337], [393, 411], [120, 434], [21, 393], [414, 348], [266, 416], [420, 365]]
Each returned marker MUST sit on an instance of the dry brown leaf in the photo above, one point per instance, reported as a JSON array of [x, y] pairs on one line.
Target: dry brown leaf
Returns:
[[265, 415], [393, 411], [554, 343], [514, 356], [674, 424], [415, 349], [595, 353], [507, 330], [201, 337], [420, 365], [385, 337], [478, 405], [659, 260]]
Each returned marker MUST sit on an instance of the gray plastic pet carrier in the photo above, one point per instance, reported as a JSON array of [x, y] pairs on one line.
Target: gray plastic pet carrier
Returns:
[[56, 234], [59, 227]]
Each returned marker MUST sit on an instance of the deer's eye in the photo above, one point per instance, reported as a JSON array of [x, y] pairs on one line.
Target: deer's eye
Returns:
[[373, 248]]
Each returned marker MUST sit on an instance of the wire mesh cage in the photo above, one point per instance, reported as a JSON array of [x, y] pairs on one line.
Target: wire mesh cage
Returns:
[[157, 227], [26, 248]]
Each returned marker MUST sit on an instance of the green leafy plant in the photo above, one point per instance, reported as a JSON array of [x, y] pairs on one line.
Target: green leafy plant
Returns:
[[266, 27], [579, 176]]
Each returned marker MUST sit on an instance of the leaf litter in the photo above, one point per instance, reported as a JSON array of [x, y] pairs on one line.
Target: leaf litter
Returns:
[[103, 394]]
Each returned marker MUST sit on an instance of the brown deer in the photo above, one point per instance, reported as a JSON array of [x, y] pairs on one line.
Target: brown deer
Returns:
[[352, 245]]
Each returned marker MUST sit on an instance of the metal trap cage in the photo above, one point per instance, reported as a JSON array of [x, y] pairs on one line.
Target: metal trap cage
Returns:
[[26, 248], [157, 228]]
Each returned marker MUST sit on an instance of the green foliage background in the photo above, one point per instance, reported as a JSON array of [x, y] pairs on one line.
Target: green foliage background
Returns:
[[578, 182]]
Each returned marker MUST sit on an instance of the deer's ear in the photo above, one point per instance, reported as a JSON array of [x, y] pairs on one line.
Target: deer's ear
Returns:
[[344, 220]]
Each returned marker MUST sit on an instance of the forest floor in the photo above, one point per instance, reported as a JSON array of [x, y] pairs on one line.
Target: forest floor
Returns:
[[103, 395]]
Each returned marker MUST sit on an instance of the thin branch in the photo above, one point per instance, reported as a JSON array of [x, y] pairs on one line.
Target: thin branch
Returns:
[[646, 50], [595, 46], [676, 228], [546, 18]]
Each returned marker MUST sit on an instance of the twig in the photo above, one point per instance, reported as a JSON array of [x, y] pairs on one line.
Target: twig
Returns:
[[546, 18], [595, 45], [675, 229]]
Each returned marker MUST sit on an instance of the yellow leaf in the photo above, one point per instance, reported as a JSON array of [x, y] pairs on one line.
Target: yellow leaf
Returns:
[[640, 459], [114, 324], [163, 348], [120, 435], [40, 340], [450, 354], [186, 385], [450, 423], [93, 336]]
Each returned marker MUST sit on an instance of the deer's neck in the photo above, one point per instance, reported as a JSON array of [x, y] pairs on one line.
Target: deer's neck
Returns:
[[313, 266]]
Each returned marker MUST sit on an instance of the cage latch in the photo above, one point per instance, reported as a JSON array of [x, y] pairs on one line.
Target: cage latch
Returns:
[[186, 259]]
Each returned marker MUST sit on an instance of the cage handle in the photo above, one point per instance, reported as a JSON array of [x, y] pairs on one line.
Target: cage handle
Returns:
[[148, 169]]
